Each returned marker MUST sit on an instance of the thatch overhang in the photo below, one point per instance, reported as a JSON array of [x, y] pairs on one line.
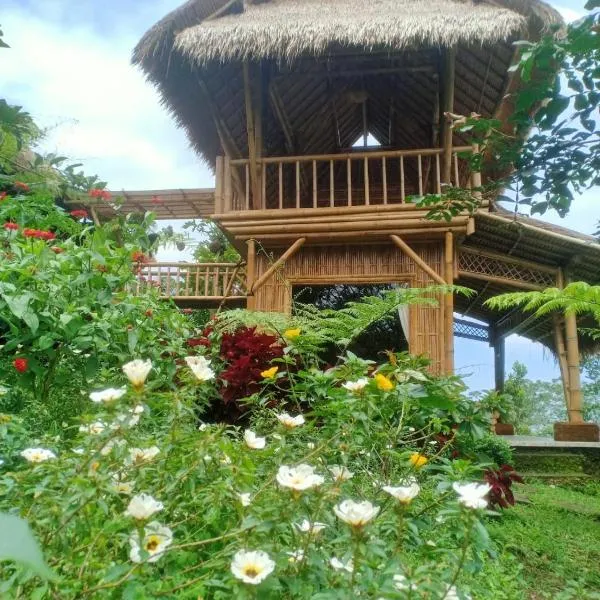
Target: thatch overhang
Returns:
[[528, 239], [323, 61]]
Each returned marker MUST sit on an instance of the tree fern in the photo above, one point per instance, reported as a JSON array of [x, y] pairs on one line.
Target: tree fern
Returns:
[[578, 297], [321, 327]]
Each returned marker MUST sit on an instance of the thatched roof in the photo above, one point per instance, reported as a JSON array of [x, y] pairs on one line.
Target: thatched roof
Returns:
[[316, 54]]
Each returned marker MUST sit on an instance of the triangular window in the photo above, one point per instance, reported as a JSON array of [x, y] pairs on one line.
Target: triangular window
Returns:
[[372, 142]]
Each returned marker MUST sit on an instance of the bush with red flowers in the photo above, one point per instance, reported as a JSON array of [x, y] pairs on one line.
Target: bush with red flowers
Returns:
[[79, 213], [98, 193], [10, 226], [21, 186], [20, 364]]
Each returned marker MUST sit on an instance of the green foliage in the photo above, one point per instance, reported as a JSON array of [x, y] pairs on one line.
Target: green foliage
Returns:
[[577, 297], [214, 247], [18, 544], [490, 448]]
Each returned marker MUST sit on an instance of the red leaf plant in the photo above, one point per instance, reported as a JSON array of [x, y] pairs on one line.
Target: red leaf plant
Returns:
[[500, 481], [247, 353]]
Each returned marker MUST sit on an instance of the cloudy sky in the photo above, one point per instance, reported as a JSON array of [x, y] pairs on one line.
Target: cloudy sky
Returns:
[[69, 66]]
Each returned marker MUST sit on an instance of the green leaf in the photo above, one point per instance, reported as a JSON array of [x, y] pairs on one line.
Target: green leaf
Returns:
[[132, 340], [18, 544], [591, 4], [18, 305]]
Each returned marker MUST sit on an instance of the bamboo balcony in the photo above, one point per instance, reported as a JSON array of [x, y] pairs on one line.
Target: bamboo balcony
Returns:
[[208, 283], [352, 179]]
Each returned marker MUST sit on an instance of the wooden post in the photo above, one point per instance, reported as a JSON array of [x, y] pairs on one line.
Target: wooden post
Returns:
[[227, 191], [498, 343], [219, 185], [280, 261], [250, 273], [250, 127], [421, 264], [561, 354], [449, 302], [449, 70], [476, 177], [575, 395]]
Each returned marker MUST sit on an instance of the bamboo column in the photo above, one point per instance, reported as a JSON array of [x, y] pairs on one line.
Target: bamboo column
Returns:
[[219, 171], [476, 177], [449, 302], [250, 127], [575, 395], [250, 273], [499, 346], [449, 67], [561, 353]]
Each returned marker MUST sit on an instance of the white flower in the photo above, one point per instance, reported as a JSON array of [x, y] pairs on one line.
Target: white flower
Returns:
[[340, 473], [157, 538], [225, 460], [290, 422], [37, 455], [122, 487], [296, 555], [245, 499], [356, 386], [401, 583], [302, 477], [108, 395], [79, 451], [356, 514], [3, 389], [93, 428], [129, 419], [310, 445], [108, 447], [252, 566], [338, 565], [203, 427], [404, 493], [200, 367], [141, 455], [472, 495], [137, 372], [253, 441], [307, 527], [143, 506]]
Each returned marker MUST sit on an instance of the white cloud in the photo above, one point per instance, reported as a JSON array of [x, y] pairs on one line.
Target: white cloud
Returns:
[[108, 117], [569, 14]]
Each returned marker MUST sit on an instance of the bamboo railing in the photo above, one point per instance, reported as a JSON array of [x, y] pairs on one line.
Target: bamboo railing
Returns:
[[193, 281], [335, 180]]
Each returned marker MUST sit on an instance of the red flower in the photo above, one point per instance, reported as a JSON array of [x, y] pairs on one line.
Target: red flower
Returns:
[[45, 235], [139, 257], [3, 196], [22, 186], [30, 232], [149, 312], [57, 249], [20, 364], [79, 213], [10, 226], [98, 193]]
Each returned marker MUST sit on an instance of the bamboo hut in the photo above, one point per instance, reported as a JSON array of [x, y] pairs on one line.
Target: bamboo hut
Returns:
[[322, 118]]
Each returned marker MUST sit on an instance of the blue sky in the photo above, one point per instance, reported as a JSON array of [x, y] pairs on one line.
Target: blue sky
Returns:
[[69, 66]]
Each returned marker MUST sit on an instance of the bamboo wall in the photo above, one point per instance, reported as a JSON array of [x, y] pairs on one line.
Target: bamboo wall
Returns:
[[377, 263]]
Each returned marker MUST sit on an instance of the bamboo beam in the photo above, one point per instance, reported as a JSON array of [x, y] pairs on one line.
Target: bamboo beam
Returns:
[[278, 263], [229, 286], [500, 280], [250, 128], [219, 172], [417, 259], [349, 236], [509, 259], [95, 217], [250, 272], [561, 354], [221, 10], [449, 301], [449, 71]]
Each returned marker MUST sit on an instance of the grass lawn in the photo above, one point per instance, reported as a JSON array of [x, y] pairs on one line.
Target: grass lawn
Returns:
[[548, 546]]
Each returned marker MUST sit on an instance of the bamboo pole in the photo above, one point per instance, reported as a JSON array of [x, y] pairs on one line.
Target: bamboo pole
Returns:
[[219, 185], [476, 177], [500, 280], [229, 286], [561, 354], [449, 301], [250, 272], [227, 192], [279, 262], [575, 395], [250, 127], [448, 104], [417, 259]]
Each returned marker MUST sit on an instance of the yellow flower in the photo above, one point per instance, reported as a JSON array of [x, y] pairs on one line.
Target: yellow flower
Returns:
[[270, 373], [383, 383], [418, 460], [291, 334]]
